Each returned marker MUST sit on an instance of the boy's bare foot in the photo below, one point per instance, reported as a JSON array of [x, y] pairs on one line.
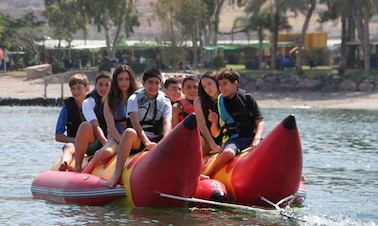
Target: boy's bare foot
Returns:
[[63, 166]]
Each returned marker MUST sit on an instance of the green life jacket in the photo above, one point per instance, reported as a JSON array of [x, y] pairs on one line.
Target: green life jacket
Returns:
[[226, 122], [242, 123]]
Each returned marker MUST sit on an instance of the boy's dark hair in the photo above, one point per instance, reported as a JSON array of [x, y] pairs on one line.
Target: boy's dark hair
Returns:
[[150, 73], [103, 74], [79, 78], [170, 81], [229, 74], [189, 78]]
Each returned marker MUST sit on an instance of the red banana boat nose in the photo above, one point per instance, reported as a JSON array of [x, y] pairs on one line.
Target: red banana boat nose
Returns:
[[273, 170], [172, 167]]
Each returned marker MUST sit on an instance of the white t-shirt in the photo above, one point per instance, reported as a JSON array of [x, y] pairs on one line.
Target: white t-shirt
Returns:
[[88, 109], [166, 111]]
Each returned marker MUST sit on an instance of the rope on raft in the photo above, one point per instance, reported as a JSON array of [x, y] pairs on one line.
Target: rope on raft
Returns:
[[242, 207], [282, 211]]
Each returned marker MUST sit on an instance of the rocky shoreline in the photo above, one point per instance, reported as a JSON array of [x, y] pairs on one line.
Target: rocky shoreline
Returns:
[[39, 101], [276, 82], [272, 90]]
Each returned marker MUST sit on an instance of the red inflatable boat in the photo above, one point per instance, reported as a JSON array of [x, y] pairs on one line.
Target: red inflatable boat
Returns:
[[70, 187], [272, 171]]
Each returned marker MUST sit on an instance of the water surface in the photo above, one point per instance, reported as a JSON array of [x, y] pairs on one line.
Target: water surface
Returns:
[[340, 163]]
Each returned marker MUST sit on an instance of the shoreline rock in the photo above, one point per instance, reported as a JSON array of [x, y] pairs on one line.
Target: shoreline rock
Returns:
[[45, 102], [277, 82], [271, 90]]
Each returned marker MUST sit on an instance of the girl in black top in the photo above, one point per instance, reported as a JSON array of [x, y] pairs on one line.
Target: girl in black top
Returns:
[[205, 102]]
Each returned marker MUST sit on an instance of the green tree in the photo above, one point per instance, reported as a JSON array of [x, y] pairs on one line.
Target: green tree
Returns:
[[21, 34], [193, 25], [335, 10], [307, 8], [65, 18], [278, 11], [364, 10], [214, 8], [271, 15], [256, 22], [114, 17], [353, 15], [172, 36], [174, 15]]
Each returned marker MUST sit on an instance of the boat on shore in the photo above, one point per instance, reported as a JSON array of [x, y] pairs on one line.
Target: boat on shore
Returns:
[[270, 172]]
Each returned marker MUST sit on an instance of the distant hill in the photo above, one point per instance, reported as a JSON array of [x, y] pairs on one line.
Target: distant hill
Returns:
[[150, 28]]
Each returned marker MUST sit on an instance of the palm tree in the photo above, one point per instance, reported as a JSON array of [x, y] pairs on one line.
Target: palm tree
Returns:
[[213, 8], [257, 22], [340, 9], [277, 11], [276, 18], [308, 9], [363, 11], [353, 14], [116, 18]]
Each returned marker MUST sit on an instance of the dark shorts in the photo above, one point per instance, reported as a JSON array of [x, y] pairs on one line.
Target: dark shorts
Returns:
[[93, 147], [238, 144], [141, 148]]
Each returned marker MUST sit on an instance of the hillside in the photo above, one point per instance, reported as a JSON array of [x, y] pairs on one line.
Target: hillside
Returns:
[[150, 27]]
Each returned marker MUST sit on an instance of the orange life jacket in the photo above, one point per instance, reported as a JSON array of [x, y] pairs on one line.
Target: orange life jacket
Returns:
[[187, 108]]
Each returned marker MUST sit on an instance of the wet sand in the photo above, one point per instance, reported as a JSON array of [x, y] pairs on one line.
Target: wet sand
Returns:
[[17, 86]]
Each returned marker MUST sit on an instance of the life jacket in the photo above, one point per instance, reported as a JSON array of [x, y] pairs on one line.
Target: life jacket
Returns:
[[187, 108], [99, 110], [75, 116], [120, 119], [240, 122], [154, 125]]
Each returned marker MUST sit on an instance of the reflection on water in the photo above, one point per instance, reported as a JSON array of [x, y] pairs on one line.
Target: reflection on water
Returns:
[[340, 163]]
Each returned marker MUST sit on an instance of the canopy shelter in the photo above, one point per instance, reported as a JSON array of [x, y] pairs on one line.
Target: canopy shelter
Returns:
[[75, 44], [254, 44], [139, 44]]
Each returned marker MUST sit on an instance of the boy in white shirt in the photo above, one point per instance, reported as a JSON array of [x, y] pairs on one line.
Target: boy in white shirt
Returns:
[[150, 114]]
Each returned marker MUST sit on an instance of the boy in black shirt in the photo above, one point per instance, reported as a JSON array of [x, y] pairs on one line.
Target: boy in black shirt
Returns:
[[240, 121]]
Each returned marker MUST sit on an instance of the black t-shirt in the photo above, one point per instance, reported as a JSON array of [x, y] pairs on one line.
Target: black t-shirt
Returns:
[[245, 111], [212, 105]]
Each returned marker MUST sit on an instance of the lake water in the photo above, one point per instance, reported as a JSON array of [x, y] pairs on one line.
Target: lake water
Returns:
[[340, 163]]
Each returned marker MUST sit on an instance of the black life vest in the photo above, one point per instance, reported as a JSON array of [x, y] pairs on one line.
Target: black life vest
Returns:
[[240, 122], [99, 110], [75, 116]]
